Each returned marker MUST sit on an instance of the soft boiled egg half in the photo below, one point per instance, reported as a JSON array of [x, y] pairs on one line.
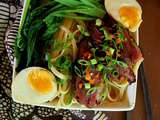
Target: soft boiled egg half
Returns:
[[127, 12], [34, 85]]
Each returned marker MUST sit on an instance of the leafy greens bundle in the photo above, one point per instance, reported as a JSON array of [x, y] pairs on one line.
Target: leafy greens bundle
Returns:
[[41, 21]]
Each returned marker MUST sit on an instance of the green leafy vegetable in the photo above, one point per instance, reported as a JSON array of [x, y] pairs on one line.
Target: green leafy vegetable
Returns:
[[69, 3], [48, 58], [36, 26], [69, 98], [63, 63], [39, 24], [88, 7], [52, 27]]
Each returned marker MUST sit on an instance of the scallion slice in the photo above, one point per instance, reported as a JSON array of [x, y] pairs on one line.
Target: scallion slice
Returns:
[[83, 62], [108, 59], [99, 22], [100, 67], [115, 73], [91, 91], [93, 61], [122, 64], [87, 85], [77, 71], [111, 50]]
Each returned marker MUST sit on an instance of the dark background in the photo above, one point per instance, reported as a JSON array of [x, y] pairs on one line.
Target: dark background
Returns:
[[150, 45]]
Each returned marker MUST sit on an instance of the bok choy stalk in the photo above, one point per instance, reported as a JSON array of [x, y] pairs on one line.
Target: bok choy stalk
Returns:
[[19, 39]]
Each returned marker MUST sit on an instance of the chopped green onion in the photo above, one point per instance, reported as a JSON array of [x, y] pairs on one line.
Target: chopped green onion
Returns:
[[77, 71], [121, 45], [100, 67], [83, 62], [121, 36], [105, 77], [101, 59], [99, 22], [83, 30], [106, 35], [122, 64], [91, 91], [108, 59], [93, 50], [114, 43], [110, 68], [111, 50], [87, 85], [115, 73], [114, 62], [71, 36], [93, 61], [105, 46]]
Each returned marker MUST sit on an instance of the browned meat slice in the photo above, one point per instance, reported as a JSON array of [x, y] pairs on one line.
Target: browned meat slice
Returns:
[[124, 74], [88, 97], [131, 51]]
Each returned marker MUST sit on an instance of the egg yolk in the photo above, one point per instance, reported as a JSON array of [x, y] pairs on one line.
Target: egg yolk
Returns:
[[40, 80], [129, 16]]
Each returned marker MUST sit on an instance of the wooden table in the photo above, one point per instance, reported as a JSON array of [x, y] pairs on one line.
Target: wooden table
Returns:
[[150, 44]]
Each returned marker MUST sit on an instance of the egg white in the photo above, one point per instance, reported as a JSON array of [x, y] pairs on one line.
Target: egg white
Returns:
[[23, 93]]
